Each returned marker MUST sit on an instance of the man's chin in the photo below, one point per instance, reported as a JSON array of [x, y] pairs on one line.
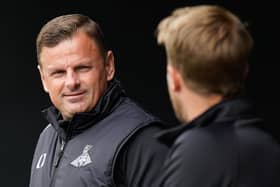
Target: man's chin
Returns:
[[71, 112]]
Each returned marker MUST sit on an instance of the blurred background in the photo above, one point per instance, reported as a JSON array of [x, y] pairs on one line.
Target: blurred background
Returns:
[[129, 30]]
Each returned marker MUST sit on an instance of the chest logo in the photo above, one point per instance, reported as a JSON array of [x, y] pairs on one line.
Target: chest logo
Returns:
[[84, 159], [41, 161]]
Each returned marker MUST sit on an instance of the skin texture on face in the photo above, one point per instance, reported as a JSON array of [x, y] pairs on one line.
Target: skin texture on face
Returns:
[[75, 74]]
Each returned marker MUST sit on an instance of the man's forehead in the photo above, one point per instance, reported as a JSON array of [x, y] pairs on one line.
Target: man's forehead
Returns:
[[77, 49]]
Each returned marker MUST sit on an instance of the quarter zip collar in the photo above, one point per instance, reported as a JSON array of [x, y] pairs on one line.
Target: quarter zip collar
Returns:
[[226, 110], [80, 122]]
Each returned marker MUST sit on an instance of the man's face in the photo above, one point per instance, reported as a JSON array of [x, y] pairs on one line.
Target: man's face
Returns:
[[75, 74]]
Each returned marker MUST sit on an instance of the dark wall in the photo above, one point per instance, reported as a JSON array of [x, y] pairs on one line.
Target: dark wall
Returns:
[[129, 30]]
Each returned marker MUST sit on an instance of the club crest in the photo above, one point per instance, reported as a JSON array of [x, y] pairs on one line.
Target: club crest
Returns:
[[84, 159]]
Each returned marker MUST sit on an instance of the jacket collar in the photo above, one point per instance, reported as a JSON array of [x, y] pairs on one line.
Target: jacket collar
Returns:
[[225, 111], [81, 121]]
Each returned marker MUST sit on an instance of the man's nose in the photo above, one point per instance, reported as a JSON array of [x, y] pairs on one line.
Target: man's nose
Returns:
[[72, 80]]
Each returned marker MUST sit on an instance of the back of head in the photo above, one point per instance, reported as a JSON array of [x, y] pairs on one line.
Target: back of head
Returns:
[[209, 46], [64, 27]]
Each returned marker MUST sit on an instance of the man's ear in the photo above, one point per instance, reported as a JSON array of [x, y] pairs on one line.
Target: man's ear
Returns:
[[110, 65], [174, 79], [43, 78]]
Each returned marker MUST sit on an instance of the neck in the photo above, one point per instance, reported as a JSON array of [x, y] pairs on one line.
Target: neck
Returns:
[[195, 104]]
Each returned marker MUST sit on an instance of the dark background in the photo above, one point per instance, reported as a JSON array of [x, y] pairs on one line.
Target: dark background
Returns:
[[129, 29]]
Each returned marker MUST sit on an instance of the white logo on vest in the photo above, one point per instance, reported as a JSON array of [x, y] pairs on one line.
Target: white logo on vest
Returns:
[[84, 159], [41, 161]]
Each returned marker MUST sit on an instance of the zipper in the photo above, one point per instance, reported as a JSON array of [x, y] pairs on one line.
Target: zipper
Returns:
[[57, 161], [60, 153]]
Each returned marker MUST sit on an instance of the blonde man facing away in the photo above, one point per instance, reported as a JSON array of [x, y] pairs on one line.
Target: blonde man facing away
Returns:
[[222, 143]]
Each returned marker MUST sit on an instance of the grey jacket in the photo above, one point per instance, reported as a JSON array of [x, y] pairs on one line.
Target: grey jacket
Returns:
[[83, 152]]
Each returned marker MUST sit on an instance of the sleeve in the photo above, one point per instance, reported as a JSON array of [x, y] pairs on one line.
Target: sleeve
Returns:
[[141, 159], [194, 160]]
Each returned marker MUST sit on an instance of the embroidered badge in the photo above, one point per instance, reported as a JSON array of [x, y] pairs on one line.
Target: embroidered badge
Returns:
[[84, 159]]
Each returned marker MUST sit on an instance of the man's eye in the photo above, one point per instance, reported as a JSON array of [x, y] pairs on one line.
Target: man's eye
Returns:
[[83, 68], [57, 73]]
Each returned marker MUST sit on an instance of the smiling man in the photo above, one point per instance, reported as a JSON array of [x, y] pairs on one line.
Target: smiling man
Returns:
[[96, 135], [75, 73]]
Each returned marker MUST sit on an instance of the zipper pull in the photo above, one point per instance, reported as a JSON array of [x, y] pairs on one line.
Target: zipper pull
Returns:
[[60, 153]]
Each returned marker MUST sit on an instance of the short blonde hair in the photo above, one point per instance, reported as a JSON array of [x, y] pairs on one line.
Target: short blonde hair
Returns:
[[209, 46]]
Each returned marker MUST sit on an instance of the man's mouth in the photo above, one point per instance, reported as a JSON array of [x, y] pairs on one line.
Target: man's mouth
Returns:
[[74, 93], [74, 96]]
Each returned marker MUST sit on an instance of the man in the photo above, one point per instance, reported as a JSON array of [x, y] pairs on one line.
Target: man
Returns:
[[97, 136], [223, 143]]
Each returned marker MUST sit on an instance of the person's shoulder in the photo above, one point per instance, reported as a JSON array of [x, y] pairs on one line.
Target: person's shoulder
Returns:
[[197, 141], [134, 106], [195, 153], [144, 141], [141, 157], [47, 131], [135, 111], [147, 134], [45, 137], [197, 148], [195, 134], [214, 134]]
